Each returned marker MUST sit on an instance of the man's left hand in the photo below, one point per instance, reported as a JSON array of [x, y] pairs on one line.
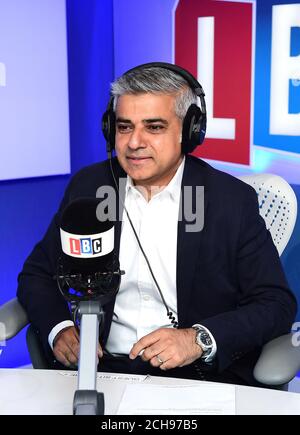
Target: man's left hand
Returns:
[[168, 348]]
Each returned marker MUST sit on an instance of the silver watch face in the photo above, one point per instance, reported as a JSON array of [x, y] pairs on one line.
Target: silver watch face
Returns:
[[204, 340]]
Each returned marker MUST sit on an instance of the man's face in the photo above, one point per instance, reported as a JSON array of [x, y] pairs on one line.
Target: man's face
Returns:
[[148, 136]]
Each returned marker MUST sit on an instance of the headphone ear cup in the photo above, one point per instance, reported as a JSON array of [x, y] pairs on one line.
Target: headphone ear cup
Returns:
[[109, 128], [193, 129]]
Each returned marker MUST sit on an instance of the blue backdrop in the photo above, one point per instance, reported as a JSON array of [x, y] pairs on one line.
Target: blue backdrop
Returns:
[[27, 205]]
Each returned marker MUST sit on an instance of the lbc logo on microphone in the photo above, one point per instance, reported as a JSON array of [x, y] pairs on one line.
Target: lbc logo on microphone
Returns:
[[85, 246]]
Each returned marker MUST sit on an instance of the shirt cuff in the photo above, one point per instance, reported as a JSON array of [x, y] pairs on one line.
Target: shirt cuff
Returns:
[[59, 327], [211, 356]]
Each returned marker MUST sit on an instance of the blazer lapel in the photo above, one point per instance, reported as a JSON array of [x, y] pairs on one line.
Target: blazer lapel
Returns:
[[120, 177], [188, 242]]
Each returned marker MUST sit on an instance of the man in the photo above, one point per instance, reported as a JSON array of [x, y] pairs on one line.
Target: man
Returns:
[[223, 283]]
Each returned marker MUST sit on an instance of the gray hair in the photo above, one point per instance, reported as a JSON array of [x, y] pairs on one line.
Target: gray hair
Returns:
[[156, 80]]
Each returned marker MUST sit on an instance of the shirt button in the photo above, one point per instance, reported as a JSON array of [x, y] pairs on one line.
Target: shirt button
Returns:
[[146, 298]]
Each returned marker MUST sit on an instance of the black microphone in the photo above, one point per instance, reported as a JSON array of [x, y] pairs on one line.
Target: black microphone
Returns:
[[88, 268]]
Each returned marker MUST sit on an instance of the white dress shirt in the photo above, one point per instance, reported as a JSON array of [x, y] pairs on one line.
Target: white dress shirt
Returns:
[[139, 309]]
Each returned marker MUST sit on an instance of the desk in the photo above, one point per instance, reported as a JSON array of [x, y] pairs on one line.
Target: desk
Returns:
[[51, 392]]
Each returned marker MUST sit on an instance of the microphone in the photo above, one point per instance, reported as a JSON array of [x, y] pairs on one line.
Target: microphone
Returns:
[[88, 268]]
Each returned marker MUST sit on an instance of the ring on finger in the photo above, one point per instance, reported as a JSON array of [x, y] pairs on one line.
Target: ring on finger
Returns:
[[159, 359]]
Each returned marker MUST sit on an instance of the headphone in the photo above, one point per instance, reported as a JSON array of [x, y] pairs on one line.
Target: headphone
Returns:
[[194, 122]]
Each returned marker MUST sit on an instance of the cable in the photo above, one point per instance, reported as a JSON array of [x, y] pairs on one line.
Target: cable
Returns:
[[169, 312]]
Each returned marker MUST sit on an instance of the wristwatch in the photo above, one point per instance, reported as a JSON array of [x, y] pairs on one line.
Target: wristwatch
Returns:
[[203, 339]]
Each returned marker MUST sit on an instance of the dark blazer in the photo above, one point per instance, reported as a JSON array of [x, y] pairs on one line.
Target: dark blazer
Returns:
[[229, 275]]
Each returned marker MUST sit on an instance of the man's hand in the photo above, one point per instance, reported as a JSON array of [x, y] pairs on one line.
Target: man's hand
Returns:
[[66, 347], [174, 347]]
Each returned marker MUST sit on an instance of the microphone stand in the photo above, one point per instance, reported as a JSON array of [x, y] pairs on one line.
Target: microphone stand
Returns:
[[87, 401], [100, 288]]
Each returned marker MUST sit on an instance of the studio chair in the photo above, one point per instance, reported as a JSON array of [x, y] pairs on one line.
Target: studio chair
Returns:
[[14, 318], [280, 360]]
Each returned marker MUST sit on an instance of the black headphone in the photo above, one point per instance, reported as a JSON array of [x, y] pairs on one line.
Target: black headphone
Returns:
[[194, 122]]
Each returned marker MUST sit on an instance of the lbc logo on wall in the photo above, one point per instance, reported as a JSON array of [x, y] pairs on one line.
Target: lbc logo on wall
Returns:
[[246, 55]]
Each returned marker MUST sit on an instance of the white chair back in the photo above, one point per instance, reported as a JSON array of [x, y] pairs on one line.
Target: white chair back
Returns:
[[277, 205]]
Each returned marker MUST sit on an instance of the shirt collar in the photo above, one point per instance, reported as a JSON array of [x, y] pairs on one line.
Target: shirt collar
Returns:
[[173, 188]]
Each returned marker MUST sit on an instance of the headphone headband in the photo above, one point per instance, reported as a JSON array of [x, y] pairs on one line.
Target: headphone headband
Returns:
[[194, 84]]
